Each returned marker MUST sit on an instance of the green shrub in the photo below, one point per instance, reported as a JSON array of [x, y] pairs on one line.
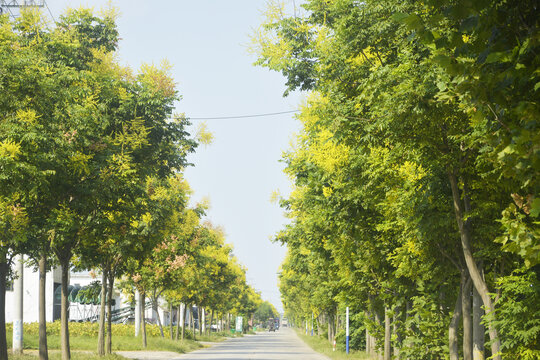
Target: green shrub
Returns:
[[90, 329]]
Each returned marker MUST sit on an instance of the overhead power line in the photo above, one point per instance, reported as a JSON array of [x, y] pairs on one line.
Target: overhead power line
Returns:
[[50, 12], [243, 116]]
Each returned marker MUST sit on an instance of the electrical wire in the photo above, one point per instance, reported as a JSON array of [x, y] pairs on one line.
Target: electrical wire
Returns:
[[50, 12], [243, 116]]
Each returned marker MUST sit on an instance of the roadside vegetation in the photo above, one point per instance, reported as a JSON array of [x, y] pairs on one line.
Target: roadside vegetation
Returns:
[[91, 163], [56, 355], [321, 345], [416, 174]]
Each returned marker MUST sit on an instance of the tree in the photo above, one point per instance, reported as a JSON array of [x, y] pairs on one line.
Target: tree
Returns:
[[394, 106], [264, 312]]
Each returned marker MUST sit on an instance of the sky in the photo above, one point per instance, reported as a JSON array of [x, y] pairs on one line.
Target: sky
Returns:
[[206, 42]]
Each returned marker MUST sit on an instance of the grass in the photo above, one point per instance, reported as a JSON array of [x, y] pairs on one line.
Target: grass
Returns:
[[57, 355], [216, 337], [322, 346], [119, 343]]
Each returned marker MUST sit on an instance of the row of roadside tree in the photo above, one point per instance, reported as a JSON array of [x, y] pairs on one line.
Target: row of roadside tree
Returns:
[[416, 173], [91, 157]]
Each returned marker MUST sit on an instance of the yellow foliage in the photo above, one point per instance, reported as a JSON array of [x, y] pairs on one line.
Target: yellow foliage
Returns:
[[79, 162], [9, 149], [28, 116], [147, 218], [106, 63], [158, 78], [32, 21], [327, 191], [411, 171], [203, 135], [275, 197], [366, 55]]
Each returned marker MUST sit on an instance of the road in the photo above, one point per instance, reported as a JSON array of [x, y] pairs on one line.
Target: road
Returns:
[[280, 345], [283, 344]]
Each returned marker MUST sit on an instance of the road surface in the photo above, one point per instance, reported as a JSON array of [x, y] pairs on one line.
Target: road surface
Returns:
[[283, 344]]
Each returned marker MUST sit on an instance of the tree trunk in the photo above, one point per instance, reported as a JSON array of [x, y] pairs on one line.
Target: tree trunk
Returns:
[[368, 342], [156, 310], [110, 286], [192, 322], [64, 315], [478, 328], [184, 322], [143, 320], [4, 268], [478, 281], [43, 352], [211, 321], [137, 312], [387, 335], [178, 319], [171, 321], [101, 332], [199, 312], [454, 327], [467, 320], [396, 331]]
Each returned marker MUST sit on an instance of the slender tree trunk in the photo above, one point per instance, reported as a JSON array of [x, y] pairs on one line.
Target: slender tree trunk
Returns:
[[178, 319], [478, 328], [454, 327], [200, 311], [478, 281], [396, 331], [467, 320], [378, 321], [110, 286], [184, 322], [4, 268], [156, 310], [370, 343], [64, 316], [211, 321], [143, 320], [101, 332], [171, 321], [43, 352], [137, 312], [387, 335], [193, 323]]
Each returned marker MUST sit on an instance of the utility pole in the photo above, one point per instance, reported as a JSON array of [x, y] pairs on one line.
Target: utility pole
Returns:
[[347, 331], [11, 6], [18, 313]]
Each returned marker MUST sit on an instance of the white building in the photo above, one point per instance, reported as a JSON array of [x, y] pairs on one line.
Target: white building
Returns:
[[78, 311]]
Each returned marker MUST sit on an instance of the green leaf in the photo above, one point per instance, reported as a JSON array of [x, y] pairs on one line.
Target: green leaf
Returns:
[[535, 207], [400, 17]]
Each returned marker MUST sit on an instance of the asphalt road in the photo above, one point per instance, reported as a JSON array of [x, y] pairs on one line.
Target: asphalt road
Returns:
[[283, 344]]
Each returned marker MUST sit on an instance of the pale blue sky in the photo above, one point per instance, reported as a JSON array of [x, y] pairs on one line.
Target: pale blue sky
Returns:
[[206, 42]]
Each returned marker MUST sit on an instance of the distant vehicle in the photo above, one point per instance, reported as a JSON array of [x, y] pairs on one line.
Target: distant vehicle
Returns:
[[271, 325], [284, 322], [276, 323]]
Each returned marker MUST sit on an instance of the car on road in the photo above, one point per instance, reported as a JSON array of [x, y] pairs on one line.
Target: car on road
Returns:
[[271, 325]]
